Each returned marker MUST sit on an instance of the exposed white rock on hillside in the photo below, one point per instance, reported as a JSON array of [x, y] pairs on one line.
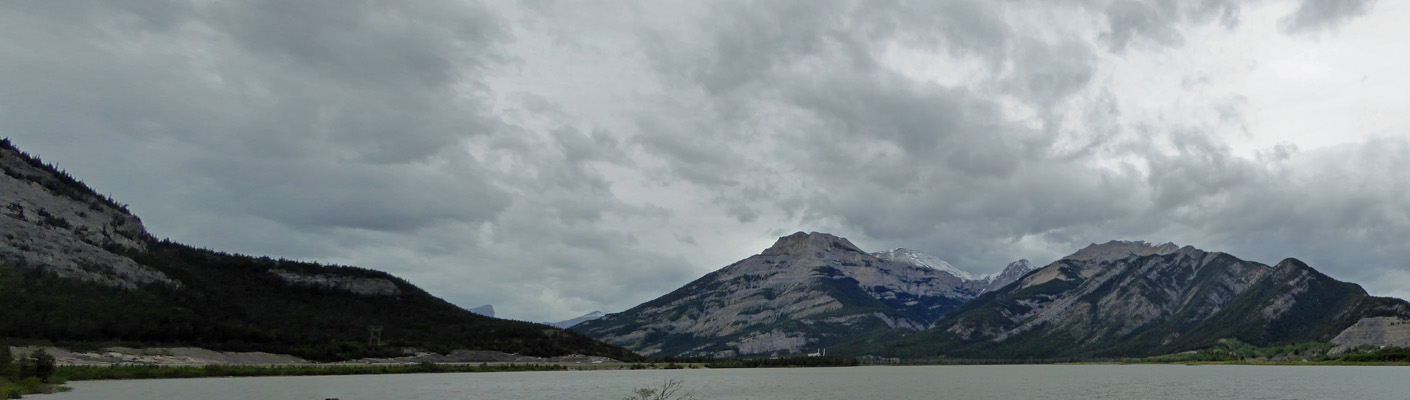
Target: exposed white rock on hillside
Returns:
[[53, 225], [1379, 331], [351, 284]]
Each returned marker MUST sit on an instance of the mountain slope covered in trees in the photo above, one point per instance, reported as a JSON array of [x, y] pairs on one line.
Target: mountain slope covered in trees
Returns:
[[77, 269]]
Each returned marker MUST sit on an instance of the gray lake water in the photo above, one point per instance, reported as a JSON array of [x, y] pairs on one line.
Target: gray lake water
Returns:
[[928, 382]]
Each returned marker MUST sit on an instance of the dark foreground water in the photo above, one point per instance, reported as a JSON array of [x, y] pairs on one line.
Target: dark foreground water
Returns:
[[936, 382]]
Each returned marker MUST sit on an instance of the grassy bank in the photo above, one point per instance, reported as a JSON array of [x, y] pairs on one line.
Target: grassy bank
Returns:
[[82, 373], [31, 385], [1233, 352]]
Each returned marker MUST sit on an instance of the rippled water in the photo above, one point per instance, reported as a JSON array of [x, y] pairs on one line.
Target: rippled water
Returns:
[[930, 382]]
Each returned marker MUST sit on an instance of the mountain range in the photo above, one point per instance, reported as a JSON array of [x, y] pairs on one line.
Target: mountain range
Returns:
[[1118, 299], [1122, 299], [78, 269]]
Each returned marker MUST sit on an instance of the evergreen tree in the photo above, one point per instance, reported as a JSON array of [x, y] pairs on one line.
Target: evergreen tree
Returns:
[[5, 358], [44, 365], [39, 364]]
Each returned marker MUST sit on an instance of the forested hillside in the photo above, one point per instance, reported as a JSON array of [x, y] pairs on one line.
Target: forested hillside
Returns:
[[76, 269]]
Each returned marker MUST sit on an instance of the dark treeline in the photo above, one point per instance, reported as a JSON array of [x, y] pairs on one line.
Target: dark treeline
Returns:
[[823, 361], [231, 303], [1230, 350], [80, 373]]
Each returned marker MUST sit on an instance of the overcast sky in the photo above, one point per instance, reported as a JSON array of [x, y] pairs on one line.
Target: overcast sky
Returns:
[[555, 158]]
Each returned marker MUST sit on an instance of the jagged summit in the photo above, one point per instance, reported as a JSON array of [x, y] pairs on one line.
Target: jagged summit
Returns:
[[1021, 264], [802, 243], [1011, 273], [1118, 249]]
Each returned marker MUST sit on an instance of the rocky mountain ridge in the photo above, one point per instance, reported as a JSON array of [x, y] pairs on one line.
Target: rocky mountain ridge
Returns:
[[1123, 299], [569, 323], [1116, 299]]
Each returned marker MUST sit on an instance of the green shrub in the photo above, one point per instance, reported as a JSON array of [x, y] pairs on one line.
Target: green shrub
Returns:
[[669, 389]]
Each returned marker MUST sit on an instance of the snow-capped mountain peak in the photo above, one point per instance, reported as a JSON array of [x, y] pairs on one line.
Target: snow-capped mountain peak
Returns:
[[925, 260], [978, 283]]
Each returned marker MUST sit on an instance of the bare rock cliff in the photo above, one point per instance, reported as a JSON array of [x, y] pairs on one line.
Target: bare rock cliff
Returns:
[[53, 223], [1378, 331]]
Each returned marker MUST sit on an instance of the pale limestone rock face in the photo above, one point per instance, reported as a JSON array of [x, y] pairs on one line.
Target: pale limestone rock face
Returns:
[[48, 225], [772, 341], [355, 285], [1094, 257], [1379, 331], [1298, 280]]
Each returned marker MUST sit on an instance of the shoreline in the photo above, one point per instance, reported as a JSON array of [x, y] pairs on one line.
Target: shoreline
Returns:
[[77, 373]]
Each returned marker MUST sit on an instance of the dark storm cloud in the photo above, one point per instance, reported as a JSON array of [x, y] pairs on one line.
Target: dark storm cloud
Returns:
[[1049, 74], [311, 113], [1341, 209], [310, 195], [746, 42], [1315, 15], [375, 78], [1161, 21], [416, 43], [855, 130], [818, 61]]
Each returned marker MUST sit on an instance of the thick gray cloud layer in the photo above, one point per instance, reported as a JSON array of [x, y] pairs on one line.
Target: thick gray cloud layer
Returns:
[[553, 158]]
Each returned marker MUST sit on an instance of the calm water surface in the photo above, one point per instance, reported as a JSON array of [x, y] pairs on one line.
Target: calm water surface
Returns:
[[931, 382]]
